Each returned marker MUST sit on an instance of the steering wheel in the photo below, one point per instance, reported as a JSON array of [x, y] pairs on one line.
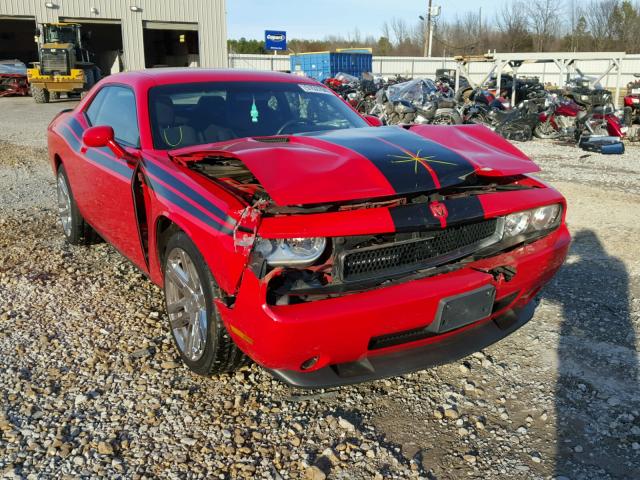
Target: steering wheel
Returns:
[[290, 123]]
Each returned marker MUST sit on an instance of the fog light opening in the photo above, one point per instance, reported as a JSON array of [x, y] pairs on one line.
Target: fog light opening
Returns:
[[307, 364]]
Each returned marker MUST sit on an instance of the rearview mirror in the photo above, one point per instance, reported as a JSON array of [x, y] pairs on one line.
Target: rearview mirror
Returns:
[[103, 136], [373, 121]]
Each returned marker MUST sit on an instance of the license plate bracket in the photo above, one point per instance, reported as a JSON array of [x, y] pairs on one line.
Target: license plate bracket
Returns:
[[461, 310]]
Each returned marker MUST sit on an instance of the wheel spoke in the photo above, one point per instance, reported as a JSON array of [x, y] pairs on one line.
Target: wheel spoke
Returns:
[[190, 271], [179, 319], [177, 276], [188, 337], [201, 331], [195, 336], [178, 305]]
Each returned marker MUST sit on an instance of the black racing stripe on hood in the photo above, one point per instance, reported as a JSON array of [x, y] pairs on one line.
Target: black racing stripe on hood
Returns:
[[418, 216], [408, 161]]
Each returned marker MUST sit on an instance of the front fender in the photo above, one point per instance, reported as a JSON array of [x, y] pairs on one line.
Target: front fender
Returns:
[[208, 215]]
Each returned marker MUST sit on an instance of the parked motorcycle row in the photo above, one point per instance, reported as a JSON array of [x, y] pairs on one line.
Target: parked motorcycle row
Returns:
[[579, 113]]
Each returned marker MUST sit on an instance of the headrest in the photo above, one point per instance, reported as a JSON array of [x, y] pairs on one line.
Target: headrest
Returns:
[[209, 102], [165, 115]]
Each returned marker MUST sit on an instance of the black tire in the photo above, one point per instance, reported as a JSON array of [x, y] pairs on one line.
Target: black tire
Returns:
[[628, 116], [79, 231], [221, 354], [446, 116], [40, 95]]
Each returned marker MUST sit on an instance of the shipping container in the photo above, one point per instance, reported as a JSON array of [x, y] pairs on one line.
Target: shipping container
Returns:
[[322, 65]]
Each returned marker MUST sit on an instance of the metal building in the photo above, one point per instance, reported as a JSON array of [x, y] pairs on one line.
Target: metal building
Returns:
[[124, 34]]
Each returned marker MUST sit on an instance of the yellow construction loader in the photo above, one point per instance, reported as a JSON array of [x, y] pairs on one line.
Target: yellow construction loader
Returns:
[[65, 65]]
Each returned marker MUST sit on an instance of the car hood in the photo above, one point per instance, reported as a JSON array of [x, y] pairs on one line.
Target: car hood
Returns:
[[364, 163]]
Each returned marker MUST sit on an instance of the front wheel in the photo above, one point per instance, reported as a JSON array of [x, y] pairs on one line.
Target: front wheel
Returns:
[[545, 130], [40, 95], [201, 338]]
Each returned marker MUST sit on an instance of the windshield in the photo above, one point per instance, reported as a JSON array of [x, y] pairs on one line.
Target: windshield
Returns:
[[15, 66], [182, 115], [60, 34], [418, 90]]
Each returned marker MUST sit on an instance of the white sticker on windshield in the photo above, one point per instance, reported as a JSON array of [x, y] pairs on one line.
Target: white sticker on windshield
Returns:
[[314, 89]]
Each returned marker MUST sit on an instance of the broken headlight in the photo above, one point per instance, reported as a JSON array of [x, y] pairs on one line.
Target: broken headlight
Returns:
[[531, 222], [299, 252]]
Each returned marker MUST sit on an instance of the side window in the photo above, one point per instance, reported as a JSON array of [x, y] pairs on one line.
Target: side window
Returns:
[[116, 107], [96, 104]]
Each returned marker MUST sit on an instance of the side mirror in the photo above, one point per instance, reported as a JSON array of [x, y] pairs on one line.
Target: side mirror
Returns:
[[103, 136], [373, 121]]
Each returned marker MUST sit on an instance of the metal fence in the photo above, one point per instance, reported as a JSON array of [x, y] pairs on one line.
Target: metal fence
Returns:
[[421, 66]]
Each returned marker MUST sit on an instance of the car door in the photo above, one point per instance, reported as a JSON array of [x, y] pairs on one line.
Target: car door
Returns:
[[106, 194]]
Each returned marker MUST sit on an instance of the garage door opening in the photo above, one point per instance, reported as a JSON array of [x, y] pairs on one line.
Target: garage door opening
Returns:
[[103, 40], [171, 45], [17, 39]]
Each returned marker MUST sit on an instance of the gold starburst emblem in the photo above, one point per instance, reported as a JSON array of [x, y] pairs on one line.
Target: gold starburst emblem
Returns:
[[418, 159]]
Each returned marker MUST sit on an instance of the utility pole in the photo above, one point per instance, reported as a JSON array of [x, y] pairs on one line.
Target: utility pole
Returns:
[[427, 37]]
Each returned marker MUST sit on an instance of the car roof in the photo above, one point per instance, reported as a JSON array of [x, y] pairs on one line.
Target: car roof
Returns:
[[164, 76]]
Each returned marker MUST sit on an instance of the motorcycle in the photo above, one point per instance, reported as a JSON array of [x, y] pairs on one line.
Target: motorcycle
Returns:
[[632, 102], [418, 101], [359, 93], [516, 124], [558, 119], [597, 116]]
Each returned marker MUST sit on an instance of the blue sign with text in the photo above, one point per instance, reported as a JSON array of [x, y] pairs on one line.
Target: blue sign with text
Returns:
[[275, 40]]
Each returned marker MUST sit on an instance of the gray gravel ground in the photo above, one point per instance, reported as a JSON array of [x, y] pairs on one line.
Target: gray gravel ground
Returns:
[[90, 384]]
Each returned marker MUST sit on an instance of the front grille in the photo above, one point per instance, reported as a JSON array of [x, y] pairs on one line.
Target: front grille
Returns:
[[54, 62], [402, 257]]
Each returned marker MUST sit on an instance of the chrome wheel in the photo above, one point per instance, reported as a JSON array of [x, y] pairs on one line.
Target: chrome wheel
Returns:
[[186, 304], [64, 205]]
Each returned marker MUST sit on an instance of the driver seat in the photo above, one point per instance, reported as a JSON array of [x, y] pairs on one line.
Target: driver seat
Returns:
[[170, 134], [211, 116]]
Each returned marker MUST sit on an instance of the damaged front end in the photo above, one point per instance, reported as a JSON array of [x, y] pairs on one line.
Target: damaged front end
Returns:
[[329, 276], [308, 252]]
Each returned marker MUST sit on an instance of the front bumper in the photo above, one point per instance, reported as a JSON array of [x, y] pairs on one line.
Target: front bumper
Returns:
[[339, 331], [401, 362]]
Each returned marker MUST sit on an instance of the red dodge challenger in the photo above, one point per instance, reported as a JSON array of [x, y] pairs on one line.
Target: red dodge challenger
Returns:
[[286, 228]]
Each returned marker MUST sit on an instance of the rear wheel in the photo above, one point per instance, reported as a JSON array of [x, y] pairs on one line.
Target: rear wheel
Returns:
[[76, 230], [201, 338], [40, 95]]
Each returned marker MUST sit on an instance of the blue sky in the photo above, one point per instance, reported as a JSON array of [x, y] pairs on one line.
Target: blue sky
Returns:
[[314, 19]]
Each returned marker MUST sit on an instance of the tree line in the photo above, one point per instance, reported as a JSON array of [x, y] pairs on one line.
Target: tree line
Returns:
[[516, 26]]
